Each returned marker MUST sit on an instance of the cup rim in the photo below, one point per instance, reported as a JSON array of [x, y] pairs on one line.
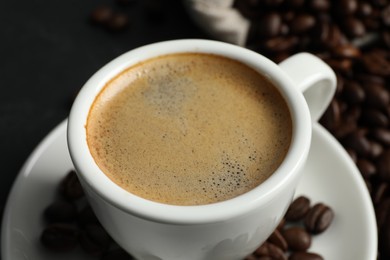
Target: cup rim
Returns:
[[93, 179]]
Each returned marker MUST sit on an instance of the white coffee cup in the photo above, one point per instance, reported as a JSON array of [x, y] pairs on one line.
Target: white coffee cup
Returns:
[[230, 229]]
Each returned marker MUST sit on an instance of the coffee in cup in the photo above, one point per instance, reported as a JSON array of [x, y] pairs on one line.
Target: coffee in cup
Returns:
[[189, 129]]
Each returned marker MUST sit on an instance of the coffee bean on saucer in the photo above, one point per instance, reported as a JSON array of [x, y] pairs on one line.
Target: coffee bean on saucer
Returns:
[[319, 218], [298, 209], [70, 186], [277, 239], [94, 240], [87, 217], [297, 238], [60, 211], [252, 257], [116, 254], [270, 250], [60, 237], [305, 256]]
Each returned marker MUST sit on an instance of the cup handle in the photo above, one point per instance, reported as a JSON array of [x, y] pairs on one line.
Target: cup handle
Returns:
[[314, 78]]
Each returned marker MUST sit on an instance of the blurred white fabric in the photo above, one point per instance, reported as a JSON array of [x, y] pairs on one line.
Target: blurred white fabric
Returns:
[[219, 19]]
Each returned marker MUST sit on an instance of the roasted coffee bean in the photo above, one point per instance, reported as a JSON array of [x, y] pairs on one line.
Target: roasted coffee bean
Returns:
[[344, 129], [382, 135], [320, 5], [376, 149], [364, 9], [331, 117], [385, 15], [352, 154], [353, 92], [346, 51], [358, 142], [366, 168], [94, 240], [319, 218], [298, 209], [116, 254], [383, 165], [376, 96], [368, 79], [252, 257], [295, 3], [70, 186], [354, 27], [374, 118], [302, 23], [305, 256], [386, 38], [382, 211], [340, 65], [336, 36], [377, 62], [278, 44], [87, 217], [117, 22], [270, 25], [281, 224], [380, 192], [277, 239], [249, 8], [60, 211], [270, 250], [273, 3], [101, 15], [347, 6], [59, 237], [281, 56], [298, 239]]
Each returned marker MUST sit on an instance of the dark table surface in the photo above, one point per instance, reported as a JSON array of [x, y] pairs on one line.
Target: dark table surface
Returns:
[[48, 49]]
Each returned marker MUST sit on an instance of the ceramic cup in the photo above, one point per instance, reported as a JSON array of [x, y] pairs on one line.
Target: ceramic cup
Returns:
[[230, 229]]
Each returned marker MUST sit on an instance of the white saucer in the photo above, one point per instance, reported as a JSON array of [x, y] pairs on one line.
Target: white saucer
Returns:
[[329, 176]]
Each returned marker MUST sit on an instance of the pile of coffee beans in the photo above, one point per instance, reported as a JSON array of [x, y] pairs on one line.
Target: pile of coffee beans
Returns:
[[353, 37], [293, 236], [71, 223]]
